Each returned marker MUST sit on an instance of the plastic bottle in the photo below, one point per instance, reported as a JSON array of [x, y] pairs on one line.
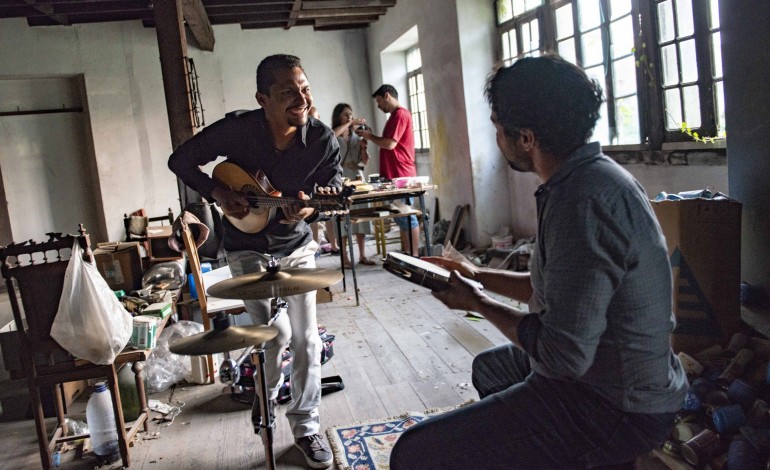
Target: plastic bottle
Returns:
[[101, 421]]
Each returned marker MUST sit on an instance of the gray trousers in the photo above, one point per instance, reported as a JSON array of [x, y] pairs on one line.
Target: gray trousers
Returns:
[[298, 328], [526, 421]]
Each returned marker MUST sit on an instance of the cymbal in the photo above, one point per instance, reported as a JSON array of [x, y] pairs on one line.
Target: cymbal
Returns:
[[266, 285], [228, 339]]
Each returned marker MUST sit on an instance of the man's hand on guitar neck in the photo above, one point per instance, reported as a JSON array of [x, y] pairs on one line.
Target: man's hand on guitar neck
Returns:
[[295, 213], [233, 204]]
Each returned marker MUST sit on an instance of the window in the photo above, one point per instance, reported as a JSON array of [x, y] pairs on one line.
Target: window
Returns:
[[416, 90], [658, 61]]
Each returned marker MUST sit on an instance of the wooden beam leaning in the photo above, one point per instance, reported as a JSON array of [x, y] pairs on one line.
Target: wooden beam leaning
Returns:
[[294, 14], [172, 45], [199, 24]]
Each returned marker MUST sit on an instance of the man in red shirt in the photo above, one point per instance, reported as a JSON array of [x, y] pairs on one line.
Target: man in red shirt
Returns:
[[396, 154]]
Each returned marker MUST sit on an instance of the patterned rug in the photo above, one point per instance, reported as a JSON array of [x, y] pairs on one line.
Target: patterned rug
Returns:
[[367, 445]]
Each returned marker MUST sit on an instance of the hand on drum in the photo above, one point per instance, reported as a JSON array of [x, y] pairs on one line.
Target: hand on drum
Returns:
[[466, 268], [463, 293]]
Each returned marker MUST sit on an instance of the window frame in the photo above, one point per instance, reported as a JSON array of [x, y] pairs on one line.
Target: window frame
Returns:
[[651, 104], [416, 112]]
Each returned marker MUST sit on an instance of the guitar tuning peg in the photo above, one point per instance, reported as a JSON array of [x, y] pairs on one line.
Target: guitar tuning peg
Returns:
[[327, 213], [321, 190]]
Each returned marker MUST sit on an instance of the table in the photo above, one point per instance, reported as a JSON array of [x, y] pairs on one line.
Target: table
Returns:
[[380, 196], [215, 304]]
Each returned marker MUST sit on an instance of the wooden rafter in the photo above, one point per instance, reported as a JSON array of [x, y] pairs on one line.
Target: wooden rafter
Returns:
[[48, 11], [198, 21]]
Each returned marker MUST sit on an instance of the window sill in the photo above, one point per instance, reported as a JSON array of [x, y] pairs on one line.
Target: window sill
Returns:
[[718, 144]]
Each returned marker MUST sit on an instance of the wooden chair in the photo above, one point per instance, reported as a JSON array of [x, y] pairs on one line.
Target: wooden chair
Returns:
[[34, 273], [152, 232], [191, 250]]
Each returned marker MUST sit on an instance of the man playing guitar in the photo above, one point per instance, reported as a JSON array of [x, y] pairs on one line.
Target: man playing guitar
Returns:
[[296, 154]]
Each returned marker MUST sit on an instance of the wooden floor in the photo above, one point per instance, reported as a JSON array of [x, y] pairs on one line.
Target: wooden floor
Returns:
[[399, 350]]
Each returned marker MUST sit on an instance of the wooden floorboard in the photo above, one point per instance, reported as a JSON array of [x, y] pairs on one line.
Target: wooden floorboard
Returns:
[[400, 350]]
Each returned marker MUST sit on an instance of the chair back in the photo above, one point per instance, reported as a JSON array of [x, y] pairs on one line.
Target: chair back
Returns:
[[34, 275], [194, 261]]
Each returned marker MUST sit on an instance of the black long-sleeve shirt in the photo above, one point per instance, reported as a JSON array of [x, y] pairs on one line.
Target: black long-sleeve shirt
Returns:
[[312, 159]]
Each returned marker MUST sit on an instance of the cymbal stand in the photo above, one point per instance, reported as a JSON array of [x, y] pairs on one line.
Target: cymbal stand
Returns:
[[265, 426], [230, 370]]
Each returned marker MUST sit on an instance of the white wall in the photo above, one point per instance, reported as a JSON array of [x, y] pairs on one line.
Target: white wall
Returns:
[[129, 136]]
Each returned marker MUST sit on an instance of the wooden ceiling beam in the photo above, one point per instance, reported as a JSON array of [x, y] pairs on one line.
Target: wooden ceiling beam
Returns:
[[198, 21], [324, 4], [342, 12], [363, 20]]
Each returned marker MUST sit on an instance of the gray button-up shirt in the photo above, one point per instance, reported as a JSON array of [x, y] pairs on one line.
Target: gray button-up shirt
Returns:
[[602, 303]]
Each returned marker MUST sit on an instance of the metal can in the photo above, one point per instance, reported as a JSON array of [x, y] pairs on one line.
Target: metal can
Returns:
[[702, 447]]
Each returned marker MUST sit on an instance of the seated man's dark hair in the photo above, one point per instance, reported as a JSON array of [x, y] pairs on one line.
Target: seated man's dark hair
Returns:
[[269, 65], [548, 95], [385, 89]]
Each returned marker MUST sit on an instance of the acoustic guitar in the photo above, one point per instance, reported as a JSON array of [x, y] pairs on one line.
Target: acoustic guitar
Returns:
[[264, 199]]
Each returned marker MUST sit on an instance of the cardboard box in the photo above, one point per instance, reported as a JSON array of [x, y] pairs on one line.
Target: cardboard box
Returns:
[[704, 245], [323, 296], [120, 264]]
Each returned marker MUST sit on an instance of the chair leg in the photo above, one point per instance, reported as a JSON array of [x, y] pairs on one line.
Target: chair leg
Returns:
[[42, 436], [138, 369], [112, 379]]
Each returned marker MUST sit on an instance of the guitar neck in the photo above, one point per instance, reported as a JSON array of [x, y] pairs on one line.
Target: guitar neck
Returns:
[[272, 201]]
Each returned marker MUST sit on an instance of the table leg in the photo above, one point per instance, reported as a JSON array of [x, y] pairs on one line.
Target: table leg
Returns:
[[338, 225], [352, 257], [428, 247]]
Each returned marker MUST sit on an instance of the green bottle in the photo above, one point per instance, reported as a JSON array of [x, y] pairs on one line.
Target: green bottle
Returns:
[[129, 396]]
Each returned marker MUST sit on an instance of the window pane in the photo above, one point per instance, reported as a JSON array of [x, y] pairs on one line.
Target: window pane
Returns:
[[413, 59], [426, 140], [530, 35], [666, 30], [719, 100], [688, 61], [523, 6], [504, 11], [514, 44], [622, 33], [714, 16], [592, 48], [684, 18], [716, 55], [670, 65], [597, 73], [420, 84], [564, 26], [619, 8], [506, 45], [627, 116], [602, 129], [566, 49], [692, 106], [625, 76], [673, 109], [589, 14]]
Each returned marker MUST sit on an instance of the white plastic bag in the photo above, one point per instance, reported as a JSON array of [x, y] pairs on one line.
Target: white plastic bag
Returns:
[[90, 323]]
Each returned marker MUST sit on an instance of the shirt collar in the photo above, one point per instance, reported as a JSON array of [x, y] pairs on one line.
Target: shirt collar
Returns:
[[582, 155]]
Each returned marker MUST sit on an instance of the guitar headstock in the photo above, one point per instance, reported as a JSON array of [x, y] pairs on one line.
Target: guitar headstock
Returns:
[[332, 198]]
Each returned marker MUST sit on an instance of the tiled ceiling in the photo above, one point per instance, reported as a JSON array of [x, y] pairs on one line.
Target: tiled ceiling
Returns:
[[250, 14]]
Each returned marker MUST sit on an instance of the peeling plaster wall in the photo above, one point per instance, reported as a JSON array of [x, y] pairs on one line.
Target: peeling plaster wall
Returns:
[[450, 165], [129, 135]]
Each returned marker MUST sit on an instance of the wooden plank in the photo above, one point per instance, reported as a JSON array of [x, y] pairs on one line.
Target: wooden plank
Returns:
[[400, 397], [199, 24]]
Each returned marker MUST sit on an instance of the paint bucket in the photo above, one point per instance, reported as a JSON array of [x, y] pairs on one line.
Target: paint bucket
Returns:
[[502, 241]]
